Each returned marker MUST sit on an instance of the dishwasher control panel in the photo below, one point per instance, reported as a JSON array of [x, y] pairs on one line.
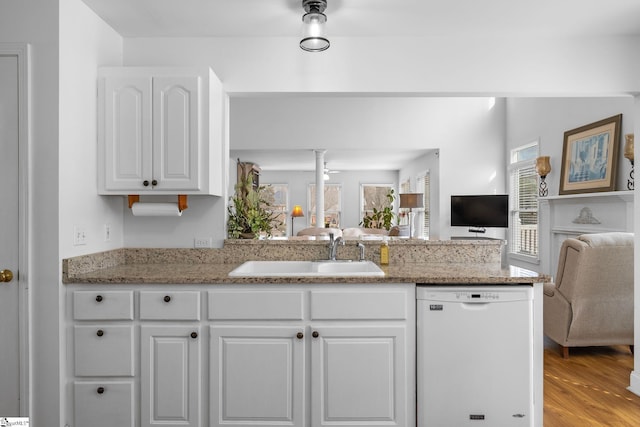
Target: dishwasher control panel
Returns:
[[470, 295]]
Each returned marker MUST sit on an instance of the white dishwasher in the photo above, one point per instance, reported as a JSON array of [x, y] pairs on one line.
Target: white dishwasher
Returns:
[[474, 356]]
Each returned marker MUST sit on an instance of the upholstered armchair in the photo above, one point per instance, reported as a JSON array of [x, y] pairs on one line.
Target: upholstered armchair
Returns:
[[591, 301]]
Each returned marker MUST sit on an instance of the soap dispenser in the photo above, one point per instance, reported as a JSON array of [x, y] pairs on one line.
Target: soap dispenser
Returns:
[[384, 253]]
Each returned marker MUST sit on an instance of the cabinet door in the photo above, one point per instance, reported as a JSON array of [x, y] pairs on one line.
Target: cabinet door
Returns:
[[257, 376], [176, 132], [170, 376], [127, 137], [359, 376]]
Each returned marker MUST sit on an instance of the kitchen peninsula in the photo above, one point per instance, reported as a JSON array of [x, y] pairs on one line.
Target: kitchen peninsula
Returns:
[[165, 336]]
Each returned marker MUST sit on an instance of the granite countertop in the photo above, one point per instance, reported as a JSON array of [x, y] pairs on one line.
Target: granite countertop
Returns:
[[218, 274], [434, 262]]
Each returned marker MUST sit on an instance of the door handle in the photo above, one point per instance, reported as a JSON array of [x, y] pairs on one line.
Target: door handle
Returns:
[[6, 275]]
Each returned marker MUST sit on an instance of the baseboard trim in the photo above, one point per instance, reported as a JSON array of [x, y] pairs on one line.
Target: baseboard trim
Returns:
[[634, 379]]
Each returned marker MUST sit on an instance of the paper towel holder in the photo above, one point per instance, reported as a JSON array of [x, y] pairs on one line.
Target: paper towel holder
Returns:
[[182, 201]]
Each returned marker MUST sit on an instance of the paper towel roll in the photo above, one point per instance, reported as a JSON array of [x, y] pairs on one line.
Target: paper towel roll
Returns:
[[155, 209]]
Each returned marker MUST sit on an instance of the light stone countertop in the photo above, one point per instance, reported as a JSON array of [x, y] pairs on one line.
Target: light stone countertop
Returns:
[[433, 262], [211, 273]]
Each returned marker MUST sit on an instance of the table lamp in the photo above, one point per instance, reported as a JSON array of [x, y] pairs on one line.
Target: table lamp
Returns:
[[296, 213], [410, 201]]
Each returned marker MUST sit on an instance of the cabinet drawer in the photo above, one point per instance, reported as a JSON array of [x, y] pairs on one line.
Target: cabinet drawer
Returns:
[[97, 305], [256, 305], [169, 305], [103, 404], [363, 305], [103, 350]]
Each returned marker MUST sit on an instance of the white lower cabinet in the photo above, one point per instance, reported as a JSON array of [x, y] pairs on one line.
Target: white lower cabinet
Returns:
[[257, 375], [170, 376], [359, 376], [264, 355], [340, 365]]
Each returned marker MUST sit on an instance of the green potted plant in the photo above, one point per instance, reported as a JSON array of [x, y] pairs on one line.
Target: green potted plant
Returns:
[[381, 218], [249, 215]]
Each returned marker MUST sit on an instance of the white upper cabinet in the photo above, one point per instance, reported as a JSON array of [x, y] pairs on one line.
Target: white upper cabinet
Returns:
[[160, 131]]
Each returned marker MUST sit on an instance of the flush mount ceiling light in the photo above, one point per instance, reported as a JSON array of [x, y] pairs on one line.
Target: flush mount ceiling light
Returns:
[[313, 39]]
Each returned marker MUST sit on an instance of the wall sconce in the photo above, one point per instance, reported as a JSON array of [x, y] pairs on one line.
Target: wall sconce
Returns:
[[543, 167], [410, 201], [313, 39], [296, 213], [628, 153]]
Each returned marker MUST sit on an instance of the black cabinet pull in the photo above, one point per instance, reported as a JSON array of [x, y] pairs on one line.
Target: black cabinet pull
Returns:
[[315, 334], [154, 182], [100, 390], [100, 332], [145, 183], [300, 335], [194, 335], [167, 298], [99, 298]]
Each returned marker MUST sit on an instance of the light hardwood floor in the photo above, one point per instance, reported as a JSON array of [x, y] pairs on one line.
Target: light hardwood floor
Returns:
[[589, 388]]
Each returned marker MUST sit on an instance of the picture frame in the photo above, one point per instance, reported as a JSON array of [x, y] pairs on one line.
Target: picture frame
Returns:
[[590, 157]]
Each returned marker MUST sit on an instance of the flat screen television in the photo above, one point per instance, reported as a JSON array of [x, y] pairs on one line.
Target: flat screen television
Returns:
[[491, 210]]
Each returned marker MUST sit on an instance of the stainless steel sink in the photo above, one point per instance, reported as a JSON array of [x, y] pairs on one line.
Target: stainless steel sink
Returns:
[[307, 268]]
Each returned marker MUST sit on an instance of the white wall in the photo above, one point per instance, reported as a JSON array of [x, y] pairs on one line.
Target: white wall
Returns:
[[546, 120], [481, 65], [86, 43]]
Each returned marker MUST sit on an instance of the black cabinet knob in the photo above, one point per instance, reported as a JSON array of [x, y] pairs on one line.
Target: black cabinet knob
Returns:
[[100, 390], [194, 335], [154, 182], [167, 298], [99, 298], [315, 334], [100, 332], [145, 183], [300, 335]]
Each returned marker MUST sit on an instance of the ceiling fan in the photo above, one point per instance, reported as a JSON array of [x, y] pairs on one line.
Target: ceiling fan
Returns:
[[327, 171]]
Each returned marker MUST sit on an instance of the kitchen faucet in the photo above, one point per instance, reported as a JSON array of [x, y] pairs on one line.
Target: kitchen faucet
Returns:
[[360, 247], [333, 246]]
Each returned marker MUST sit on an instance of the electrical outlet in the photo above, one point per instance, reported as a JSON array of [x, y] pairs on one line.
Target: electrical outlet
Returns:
[[107, 232], [202, 242], [79, 236]]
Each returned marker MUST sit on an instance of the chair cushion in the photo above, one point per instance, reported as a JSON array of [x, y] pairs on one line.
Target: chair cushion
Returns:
[[607, 239]]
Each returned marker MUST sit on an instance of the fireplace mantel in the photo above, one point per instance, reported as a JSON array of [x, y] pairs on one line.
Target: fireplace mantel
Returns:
[[571, 215]]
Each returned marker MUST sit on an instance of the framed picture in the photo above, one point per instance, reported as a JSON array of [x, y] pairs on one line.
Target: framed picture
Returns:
[[590, 157]]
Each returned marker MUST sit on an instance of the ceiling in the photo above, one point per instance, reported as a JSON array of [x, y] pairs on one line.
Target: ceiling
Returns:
[[367, 18]]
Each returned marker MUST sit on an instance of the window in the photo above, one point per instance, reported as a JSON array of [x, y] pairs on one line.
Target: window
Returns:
[[332, 205], [424, 186], [277, 195], [374, 196], [523, 201]]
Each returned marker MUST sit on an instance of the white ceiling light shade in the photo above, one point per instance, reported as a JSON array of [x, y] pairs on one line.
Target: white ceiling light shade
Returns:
[[313, 22]]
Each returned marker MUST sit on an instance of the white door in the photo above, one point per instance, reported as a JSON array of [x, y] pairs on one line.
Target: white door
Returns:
[[9, 238], [257, 376], [170, 378], [176, 133], [358, 376], [127, 133]]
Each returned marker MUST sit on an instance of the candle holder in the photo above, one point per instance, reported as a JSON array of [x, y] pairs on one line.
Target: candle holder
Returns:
[[628, 153], [543, 167]]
